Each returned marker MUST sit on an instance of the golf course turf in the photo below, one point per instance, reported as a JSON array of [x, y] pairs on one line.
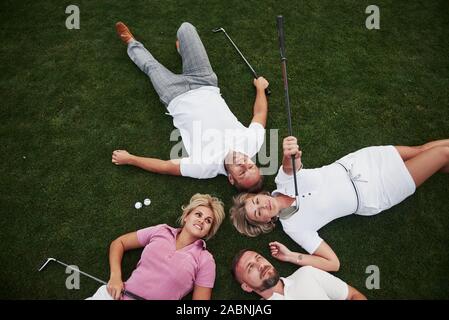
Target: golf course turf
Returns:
[[71, 97]]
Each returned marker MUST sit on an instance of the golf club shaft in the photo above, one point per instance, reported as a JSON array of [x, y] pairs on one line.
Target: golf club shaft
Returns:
[[82, 272], [241, 55], [267, 90], [280, 27], [125, 292]]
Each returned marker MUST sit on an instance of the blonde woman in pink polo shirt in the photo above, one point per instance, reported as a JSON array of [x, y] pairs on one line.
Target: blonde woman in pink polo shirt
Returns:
[[174, 261]]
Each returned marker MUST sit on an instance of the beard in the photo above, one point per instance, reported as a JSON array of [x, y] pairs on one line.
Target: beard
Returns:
[[270, 282]]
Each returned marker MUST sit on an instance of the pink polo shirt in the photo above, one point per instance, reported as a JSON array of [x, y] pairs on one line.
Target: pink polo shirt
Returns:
[[164, 273]]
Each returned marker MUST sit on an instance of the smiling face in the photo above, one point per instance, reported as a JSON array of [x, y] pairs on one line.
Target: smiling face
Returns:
[[199, 222], [255, 272], [242, 170], [261, 208]]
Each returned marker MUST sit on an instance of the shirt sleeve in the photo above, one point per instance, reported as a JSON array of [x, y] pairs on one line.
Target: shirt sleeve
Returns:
[[282, 177], [309, 240], [197, 170], [258, 132], [144, 235], [205, 276], [284, 183], [335, 288]]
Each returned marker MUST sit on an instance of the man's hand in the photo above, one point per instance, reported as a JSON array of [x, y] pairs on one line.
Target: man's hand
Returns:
[[121, 157], [261, 83], [115, 287], [280, 252]]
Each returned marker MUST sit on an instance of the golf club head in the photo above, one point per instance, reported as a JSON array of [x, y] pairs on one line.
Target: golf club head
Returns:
[[45, 263], [287, 212], [218, 30], [290, 211]]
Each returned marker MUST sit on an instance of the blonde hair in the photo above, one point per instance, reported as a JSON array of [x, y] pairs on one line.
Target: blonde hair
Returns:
[[240, 220], [210, 202]]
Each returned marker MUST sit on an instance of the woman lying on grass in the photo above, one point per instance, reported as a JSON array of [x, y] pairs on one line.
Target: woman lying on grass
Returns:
[[174, 260], [365, 182]]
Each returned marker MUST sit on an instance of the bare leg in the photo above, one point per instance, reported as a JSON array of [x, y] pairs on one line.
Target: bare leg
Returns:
[[411, 152], [426, 163]]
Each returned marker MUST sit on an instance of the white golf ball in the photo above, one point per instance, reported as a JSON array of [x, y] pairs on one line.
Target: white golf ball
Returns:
[[138, 205], [147, 202]]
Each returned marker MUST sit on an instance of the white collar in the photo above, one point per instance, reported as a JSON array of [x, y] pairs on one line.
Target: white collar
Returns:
[[276, 296]]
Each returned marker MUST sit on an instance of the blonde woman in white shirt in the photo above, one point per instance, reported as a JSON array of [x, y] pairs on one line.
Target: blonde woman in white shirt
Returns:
[[365, 182]]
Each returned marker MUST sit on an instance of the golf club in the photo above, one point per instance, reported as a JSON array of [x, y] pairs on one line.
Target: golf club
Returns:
[[267, 90], [287, 212], [125, 292]]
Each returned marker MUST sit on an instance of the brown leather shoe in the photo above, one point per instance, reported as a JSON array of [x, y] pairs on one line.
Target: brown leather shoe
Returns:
[[123, 32]]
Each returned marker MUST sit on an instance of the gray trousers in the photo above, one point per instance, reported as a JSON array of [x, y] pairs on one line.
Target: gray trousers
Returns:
[[196, 69]]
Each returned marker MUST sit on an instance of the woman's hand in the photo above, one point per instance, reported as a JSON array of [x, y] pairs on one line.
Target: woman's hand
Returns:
[[280, 252], [290, 148], [115, 287]]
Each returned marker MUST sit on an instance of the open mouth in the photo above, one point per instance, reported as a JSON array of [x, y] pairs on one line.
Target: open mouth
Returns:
[[198, 227]]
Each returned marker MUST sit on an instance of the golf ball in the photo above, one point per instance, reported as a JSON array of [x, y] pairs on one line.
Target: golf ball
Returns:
[[147, 202], [138, 205]]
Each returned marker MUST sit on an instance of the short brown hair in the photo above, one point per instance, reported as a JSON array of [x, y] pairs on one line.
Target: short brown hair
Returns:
[[236, 261], [240, 219]]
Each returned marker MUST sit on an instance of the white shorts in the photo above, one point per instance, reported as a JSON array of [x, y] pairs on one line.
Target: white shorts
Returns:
[[381, 178], [101, 294]]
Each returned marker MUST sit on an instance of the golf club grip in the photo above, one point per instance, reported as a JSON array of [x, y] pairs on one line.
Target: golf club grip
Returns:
[[294, 174], [280, 27], [267, 91], [132, 295]]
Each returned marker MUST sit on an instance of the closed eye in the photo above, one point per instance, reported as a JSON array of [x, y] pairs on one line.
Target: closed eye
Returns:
[[257, 211]]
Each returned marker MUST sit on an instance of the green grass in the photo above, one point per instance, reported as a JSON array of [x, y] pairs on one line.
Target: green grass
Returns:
[[70, 97]]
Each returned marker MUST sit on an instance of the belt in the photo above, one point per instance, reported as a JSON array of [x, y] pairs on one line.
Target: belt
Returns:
[[353, 178]]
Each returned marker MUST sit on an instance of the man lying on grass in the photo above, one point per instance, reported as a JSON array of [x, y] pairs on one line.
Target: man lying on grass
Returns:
[[193, 100], [257, 274]]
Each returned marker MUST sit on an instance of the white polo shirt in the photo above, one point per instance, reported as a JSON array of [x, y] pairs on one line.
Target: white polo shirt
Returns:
[[309, 283], [209, 131], [325, 194]]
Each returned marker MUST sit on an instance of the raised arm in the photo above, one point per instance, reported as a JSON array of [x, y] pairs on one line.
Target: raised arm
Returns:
[[323, 258], [118, 247], [260, 109], [171, 167], [290, 147]]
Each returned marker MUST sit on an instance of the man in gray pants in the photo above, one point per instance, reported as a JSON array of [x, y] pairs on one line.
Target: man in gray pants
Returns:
[[216, 142]]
